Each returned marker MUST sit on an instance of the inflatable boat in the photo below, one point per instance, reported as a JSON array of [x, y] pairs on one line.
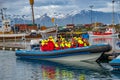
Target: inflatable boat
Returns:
[[71, 54]]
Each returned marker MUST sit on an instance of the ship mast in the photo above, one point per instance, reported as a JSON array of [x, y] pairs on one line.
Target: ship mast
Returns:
[[113, 1], [31, 3], [91, 6], [2, 14]]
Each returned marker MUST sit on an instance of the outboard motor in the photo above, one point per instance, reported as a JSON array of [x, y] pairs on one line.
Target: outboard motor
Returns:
[[106, 57], [103, 58]]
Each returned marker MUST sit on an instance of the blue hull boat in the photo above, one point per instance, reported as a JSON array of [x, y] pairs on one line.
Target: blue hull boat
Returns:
[[71, 54], [115, 63]]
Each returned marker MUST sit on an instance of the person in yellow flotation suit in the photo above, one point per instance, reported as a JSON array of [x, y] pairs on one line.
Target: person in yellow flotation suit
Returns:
[[61, 37], [69, 44], [65, 45], [59, 40], [74, 42], [80, 42], [86, 43], [46, 45], [42, 45], [57, 46], [62, 44]]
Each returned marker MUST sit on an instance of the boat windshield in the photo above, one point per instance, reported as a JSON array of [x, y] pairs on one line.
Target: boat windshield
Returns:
[[36, 48]]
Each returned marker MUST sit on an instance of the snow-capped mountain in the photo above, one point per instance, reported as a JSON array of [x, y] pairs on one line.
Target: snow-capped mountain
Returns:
[[82, 17], [76, 17]]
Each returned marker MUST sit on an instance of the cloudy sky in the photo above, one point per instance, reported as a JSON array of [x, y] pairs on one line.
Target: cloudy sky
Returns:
[[56, 7]]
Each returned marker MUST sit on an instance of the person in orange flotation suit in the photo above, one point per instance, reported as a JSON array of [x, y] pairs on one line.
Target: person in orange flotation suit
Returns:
[[51, 44]]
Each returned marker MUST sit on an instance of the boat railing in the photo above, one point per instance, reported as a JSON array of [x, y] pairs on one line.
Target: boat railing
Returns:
[[47, 30], [46, 35]]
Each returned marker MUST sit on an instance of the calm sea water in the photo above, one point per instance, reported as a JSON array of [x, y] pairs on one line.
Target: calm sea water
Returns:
[[12, 68]]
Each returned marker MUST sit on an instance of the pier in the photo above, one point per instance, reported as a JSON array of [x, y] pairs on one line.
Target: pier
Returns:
[[12, 46]]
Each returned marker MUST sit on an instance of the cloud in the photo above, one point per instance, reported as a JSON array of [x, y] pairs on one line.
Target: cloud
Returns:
[[50, 2], [109, 7], [22, 7]]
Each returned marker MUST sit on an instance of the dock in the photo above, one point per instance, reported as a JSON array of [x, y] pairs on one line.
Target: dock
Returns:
[[12, 46]]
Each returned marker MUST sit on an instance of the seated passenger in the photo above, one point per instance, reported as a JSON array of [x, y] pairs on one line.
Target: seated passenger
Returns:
[[57, 46], [51, 44], [42, 47], [46, 45], [74, 42], [80, 42], [62, 45], [86, 43]]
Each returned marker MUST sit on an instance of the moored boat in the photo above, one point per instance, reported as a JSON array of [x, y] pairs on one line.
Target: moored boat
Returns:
[[71, 54], [8, 32], [115, 63], [108, 32]]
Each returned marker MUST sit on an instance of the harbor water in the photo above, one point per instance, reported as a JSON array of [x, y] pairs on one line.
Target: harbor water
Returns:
[[13, 68]]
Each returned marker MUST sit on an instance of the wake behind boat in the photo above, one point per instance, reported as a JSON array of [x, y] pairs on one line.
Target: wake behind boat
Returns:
[[71, 54]]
